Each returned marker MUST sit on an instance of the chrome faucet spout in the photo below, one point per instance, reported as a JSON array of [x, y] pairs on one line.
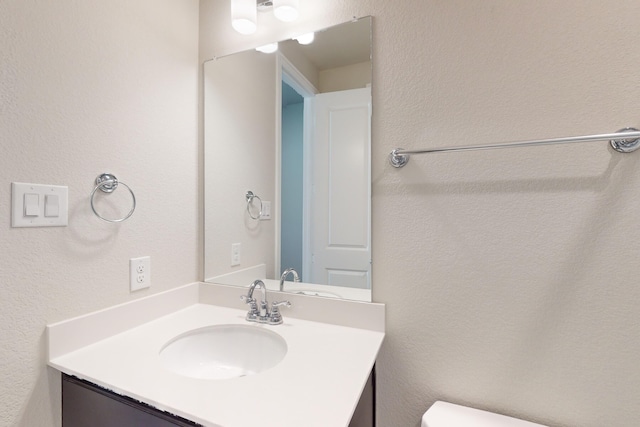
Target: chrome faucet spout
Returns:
[[285, 273], [260, 285], [264, 304]]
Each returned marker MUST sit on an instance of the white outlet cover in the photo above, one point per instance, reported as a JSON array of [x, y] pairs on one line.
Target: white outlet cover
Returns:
[[139, 273], [236, 250]]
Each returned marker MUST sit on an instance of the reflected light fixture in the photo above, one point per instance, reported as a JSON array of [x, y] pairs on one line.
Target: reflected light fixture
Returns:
[[268, 48], [306, 38], [244, 16]]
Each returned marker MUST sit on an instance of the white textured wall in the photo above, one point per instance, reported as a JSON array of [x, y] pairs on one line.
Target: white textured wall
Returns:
[[510, 277], [86, 87]]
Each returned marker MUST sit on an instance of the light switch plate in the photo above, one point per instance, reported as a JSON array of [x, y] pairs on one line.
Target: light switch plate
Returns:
[[36, 217], [266, 211]]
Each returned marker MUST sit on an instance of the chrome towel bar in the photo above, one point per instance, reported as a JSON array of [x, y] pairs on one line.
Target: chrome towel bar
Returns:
[[624, 141]]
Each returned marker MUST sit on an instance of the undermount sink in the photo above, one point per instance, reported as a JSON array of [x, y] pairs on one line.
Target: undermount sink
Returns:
[[223, 351]]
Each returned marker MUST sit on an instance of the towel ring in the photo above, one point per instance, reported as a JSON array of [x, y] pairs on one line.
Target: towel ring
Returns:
[[250, 196], [107, 183]]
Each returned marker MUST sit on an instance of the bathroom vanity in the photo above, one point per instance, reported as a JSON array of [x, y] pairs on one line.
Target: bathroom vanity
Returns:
[[85, 404], [115, 361]]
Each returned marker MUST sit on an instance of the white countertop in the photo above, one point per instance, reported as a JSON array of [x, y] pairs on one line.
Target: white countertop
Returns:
[[318, 383]]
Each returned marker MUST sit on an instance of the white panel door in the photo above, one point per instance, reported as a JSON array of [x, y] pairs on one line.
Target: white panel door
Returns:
[[341, 202]]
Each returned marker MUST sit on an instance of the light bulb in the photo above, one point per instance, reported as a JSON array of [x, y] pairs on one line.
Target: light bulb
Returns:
[[244, 16], [286, 10], [268, 48], [306, 38]]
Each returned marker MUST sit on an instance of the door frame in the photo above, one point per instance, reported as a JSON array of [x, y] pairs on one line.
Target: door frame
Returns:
[[288, 73]]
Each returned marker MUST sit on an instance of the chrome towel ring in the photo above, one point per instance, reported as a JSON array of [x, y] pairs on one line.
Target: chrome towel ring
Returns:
[[250, 196], [107, 183]]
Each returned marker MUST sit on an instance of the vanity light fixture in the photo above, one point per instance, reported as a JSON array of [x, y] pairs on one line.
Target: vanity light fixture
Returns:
[[306, 38], [244, 16], [268, 48], [286, 10]]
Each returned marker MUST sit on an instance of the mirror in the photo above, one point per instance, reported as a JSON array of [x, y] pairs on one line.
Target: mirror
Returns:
[[288, 166]]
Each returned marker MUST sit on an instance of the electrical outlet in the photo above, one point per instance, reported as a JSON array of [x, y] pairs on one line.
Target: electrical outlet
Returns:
[[139, 273], [235, 254]]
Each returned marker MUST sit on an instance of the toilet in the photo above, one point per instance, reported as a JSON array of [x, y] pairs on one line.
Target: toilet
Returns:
[[443, 414]]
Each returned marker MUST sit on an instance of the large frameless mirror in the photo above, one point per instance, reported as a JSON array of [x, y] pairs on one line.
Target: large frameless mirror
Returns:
[[287, 165]]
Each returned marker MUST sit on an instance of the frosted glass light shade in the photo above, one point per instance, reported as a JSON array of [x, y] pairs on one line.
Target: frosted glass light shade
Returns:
[[306, 38], [268, 48], [244, 16], [286, 10]]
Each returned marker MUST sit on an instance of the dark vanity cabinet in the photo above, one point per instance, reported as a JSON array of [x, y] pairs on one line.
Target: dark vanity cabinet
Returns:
[[86, 405], [365, 413]]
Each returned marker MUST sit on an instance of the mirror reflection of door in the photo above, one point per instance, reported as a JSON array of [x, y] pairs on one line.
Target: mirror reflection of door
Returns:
[[340, 207], [325, 184]]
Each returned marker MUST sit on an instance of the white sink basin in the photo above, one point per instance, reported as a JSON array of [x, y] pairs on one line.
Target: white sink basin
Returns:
[[223, 351]]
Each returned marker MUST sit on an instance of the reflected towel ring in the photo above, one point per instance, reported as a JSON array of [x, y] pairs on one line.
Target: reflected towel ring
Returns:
[[107, 183], [250, 196]]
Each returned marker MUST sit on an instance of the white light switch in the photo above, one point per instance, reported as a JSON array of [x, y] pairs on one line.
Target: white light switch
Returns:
[[31, 204], [51, 205], [36, 205]]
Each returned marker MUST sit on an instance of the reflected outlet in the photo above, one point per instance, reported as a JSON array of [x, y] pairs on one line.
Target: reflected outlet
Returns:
[[139, 273], [236, 249]]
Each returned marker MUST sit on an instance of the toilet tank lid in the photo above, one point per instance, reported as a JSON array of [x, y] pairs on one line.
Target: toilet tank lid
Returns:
[[443, 414]]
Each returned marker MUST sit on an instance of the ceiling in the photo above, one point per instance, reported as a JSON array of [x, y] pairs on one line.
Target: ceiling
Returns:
[[329, 49]]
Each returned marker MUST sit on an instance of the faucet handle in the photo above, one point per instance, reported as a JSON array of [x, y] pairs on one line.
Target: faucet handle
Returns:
[[276, 304], [252, 315], [275, 318]]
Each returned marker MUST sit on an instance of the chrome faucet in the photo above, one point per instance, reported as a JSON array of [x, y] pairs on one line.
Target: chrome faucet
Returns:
[[262, 313], [262, 310], [285, 273]]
